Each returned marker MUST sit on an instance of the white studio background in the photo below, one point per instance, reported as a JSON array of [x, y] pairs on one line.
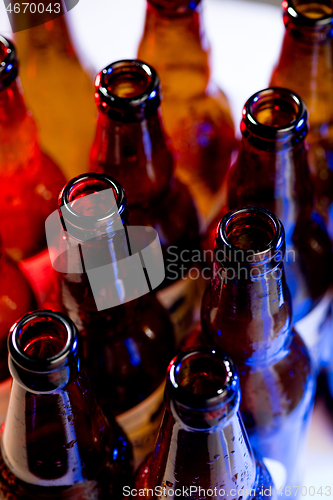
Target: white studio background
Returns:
[[245, 38]]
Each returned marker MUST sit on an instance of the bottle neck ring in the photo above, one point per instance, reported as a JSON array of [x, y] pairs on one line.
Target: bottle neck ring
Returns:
[[127, 91], [92, 204], [252, 237], [43, 351], [274, 118], [203, 388], [8, 63]]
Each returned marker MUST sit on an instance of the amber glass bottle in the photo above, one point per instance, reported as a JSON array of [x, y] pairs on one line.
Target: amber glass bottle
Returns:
[[272, 171], [246, 311], [306, 67], [56, 441], [131, 145], [196, 113], [49, 67], [127, 347], [30, 181], [16, 299], [202, 441]]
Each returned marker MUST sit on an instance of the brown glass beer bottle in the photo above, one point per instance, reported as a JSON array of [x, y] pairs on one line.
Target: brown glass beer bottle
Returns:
[[131, 145], [246, 312], [305, 66], [56, 441], [272, 171], [30, 181], [196, 113], [48, 63], [203, 450], [16, 299], [128, 339]]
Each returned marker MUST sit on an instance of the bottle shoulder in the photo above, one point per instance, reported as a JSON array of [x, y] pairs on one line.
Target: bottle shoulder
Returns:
[[127, 354], [70, 449], [290, 377], [295, 70], [173, 215], [289, 374], [17, 300], [111, 479], [308, 261], [149, 478], [28, 195]]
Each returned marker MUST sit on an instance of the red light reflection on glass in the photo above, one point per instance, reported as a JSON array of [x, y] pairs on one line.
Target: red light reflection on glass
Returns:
[[97, 80]]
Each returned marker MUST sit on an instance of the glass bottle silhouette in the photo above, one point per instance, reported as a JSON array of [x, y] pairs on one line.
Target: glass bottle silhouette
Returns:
[[131, 145], [48, 63], [247, 312], [16, 299], [30, 180], [272, 171], [305, 66], [56, 442], [128, 339], [196, 112], [202, 441]]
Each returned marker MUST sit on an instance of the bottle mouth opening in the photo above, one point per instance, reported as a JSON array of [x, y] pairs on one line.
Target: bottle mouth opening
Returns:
[[89, 200], [127, 90], [202, 379], [8, 63], [309, 12], [276, 114], [250, 235], [41, 341], [127, 80]]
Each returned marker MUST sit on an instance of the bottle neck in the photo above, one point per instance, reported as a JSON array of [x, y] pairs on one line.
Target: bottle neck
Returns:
[[12, 107], [177, 47], [248, 316], [277, 179], [136, 154], [18, 130], [85, 292], [307, 62], [97, 258], [219, 457], [57, 443]]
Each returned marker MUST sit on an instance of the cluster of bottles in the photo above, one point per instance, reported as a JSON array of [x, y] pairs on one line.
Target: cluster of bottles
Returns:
[[93, 387]]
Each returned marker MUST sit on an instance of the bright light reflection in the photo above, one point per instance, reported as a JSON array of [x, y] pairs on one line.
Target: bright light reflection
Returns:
[[292, 12]]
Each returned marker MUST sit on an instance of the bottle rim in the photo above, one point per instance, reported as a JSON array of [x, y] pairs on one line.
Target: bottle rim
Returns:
[[21, 336], [291, 13], [292, 112], [135, 107], [226, 391], [271, 251], [8, 64], [91, 182]]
